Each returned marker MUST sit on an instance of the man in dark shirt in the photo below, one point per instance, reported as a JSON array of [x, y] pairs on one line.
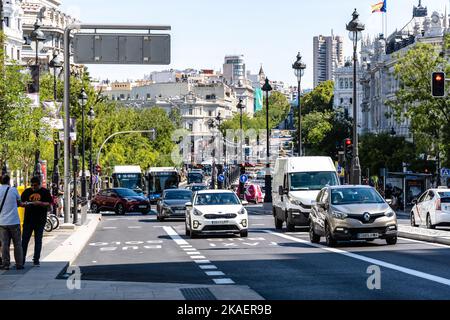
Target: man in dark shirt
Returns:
[[37, 202]]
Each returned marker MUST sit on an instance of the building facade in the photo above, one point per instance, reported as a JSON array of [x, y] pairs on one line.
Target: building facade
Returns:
[[379, 57], [12, 26], [328, 55]]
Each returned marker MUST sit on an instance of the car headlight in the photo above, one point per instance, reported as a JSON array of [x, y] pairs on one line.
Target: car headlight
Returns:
[[390, 213], [130, 200], [197, 213], [339, 215], [295, 202], [242, 211]]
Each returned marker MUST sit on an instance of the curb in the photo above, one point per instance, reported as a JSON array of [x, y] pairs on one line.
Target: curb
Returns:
[[424, 237], [69, 250]]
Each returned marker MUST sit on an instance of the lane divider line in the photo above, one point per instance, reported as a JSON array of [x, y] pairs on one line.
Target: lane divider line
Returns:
[[196, 256], [380, 263]]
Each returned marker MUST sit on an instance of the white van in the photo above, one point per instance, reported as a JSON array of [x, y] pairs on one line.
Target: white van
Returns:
[[296, 183]]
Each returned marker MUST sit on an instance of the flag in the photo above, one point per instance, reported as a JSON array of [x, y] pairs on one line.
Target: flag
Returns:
[[379, 7]]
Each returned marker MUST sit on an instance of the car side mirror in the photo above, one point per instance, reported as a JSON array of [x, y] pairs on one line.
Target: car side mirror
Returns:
[[282, 191], [415, 201], [244, 203], [188, 204], [389, 201]]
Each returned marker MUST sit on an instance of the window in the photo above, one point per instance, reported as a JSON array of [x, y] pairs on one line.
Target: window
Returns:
[[191, 127], [190, 111], [351, 100], [430, 196], [342, 100], [210, 113], [6, 19]]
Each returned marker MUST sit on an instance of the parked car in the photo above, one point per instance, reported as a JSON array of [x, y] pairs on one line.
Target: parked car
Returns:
[[216, 211], [173, 204], [432, 209], [352, 213], [253, 193], [121, 201]]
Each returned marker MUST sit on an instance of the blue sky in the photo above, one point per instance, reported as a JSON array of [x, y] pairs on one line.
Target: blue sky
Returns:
[[267, 32]]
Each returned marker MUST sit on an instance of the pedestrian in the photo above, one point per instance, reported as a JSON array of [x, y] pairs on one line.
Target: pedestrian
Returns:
[[37, 202], [10, 224]]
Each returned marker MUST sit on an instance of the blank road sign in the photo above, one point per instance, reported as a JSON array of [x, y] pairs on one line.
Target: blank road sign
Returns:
[[150, 49]]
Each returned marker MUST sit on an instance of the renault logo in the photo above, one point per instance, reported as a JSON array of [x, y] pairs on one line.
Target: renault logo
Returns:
[[366, 217]]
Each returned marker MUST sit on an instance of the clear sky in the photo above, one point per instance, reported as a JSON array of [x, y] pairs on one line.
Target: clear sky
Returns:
[[267, 32]]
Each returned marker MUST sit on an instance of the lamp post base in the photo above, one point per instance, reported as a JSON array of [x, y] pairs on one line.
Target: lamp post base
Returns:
[[356, 172], [268, 183]]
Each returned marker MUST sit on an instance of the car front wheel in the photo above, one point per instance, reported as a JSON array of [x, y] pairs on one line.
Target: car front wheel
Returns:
[[94, 208], [244, 233], [331, 242], [313, 237], [120, 209], [391, 241], [187, 231], [413, 220], [429, 223]]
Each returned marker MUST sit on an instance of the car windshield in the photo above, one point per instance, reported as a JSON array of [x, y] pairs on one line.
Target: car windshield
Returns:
[[355, 196], [312, 180], [217, 199], [126, 193], [178, 195]]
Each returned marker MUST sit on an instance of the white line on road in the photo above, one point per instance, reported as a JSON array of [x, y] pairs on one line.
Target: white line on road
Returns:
[[208, 267], [196, 253], [175, 237], [428, 243], [109, 228], [198, 257], [190, 249], [223, 281], [408, 271], [202, 261], [135, 227], [214, 273]]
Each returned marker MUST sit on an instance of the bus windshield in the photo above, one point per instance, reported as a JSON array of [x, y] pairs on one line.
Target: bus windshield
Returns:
[[158, 182], [128, 180]]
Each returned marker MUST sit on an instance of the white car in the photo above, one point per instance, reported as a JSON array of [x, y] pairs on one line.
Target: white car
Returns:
[[432, 209], [216, 211]]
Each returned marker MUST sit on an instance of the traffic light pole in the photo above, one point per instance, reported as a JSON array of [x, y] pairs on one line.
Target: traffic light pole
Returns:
[[356, 167]]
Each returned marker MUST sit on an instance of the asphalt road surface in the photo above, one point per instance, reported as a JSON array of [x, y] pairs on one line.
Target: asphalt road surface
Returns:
[[276, 265]]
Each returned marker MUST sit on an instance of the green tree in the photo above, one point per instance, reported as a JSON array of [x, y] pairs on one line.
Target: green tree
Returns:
[[429, 116]]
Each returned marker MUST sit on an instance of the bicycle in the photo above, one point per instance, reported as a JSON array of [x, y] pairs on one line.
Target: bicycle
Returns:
[[52, 223]]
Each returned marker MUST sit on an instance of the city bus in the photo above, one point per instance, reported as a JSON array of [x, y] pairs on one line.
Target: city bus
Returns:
[[129, 177], [160, 179]]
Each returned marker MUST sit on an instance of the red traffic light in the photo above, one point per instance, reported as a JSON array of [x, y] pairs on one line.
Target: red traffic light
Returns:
[[348, 142], [438, 84]]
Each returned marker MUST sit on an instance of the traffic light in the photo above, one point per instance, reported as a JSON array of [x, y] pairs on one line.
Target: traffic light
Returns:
[[438, 84], [348, 149]]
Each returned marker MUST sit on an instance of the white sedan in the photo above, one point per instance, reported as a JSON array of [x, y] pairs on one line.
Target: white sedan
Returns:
[[216, 211], [432, 209]]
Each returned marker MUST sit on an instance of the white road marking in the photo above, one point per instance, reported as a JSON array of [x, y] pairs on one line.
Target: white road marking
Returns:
[[223, 281], [152, 247], [189, 246], [135, 227], [428, 243], [196, 253], [214, 273], [258, 225], [198, 257], [175, 237], [408, 271], [208, 267], [130, 247], [154, 241], [212, 245], [251, 244], [108, 249], [98, 244], [202, 262], [109, 228], [190, 249], [134, 242], [94, 261]]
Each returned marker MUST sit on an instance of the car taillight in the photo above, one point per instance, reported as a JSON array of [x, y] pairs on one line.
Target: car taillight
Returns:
[[438, 204]]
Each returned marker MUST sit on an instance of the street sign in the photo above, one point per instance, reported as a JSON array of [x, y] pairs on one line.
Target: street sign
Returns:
[[243, 179], [445, 172], [221, 178], [104, 48]]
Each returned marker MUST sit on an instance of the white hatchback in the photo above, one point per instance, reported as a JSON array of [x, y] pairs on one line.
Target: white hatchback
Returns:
[[432, 209], [216, 211]]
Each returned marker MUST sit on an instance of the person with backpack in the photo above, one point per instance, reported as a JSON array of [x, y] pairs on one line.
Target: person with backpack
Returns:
[[10, 224], [37, 201]]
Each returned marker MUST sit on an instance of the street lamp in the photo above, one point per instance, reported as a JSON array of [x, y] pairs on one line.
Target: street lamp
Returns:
[[55, 64], [299, 70], [91, 117], [355, 28], [38, 36], [82, 99], [268, 196], [241, 108]]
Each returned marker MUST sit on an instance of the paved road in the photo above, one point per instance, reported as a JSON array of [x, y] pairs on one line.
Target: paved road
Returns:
[[276, 265]]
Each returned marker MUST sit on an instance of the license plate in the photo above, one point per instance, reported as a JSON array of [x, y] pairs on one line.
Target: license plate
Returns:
[[179, 212], [367, 235], [142, 207], [220, 222]]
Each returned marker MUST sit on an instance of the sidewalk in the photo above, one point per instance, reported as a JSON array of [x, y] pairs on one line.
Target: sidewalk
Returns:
[[61, 248]]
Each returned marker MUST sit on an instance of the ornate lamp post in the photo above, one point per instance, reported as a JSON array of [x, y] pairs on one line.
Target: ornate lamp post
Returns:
[[82, 98], [91, 117], [38, 36], [268, 196], [299, 70], [355, 28], [241, 108]]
